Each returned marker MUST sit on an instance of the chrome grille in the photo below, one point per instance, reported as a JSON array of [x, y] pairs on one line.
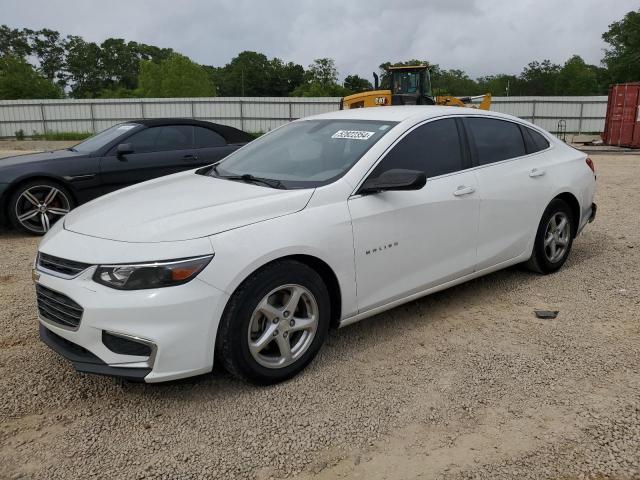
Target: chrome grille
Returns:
[[66, 268], [58, 308]]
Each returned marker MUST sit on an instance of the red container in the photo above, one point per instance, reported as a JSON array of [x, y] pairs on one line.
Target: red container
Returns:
[[622, 124]]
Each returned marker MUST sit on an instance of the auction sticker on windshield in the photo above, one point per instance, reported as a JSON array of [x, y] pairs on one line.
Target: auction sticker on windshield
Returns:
[[353, 134]]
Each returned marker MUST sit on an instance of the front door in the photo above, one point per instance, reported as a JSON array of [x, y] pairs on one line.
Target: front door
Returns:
[[408, 241], [157, 151]]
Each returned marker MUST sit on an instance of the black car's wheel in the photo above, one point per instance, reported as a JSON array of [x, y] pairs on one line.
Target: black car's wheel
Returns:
[[274, 324], [35, 206], [553, 239]]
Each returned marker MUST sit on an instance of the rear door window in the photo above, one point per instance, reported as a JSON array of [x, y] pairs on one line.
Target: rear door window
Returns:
[[495, 140], [205, 138], [433, 148], [174, 137], [535, 141]]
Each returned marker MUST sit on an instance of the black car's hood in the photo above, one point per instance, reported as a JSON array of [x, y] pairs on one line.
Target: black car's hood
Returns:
[[38, 157]]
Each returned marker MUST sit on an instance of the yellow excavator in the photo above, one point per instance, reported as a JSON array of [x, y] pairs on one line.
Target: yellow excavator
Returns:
[[410, 85]]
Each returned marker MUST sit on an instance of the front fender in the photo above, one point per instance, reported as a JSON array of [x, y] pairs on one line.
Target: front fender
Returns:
[[323, 233]]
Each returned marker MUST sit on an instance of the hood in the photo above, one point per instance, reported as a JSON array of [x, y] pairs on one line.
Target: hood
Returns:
[[38, 157], [182, 207]]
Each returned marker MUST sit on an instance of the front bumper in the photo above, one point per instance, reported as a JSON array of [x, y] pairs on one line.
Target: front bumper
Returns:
[[85, 361], [180, 322]]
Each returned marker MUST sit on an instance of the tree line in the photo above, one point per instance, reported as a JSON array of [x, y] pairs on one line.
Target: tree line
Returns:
[[44, 64]]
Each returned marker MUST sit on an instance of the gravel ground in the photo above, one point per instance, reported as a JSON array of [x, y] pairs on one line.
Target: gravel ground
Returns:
[[466, 383]]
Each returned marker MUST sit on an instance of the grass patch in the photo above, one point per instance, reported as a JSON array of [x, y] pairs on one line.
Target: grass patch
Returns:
[[52, 136]]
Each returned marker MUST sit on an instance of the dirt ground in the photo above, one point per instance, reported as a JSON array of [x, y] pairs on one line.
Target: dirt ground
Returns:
[[466, 383]]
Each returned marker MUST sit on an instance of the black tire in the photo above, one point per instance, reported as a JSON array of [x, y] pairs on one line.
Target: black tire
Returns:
[[37, 225], [540, 261], [232, 341]]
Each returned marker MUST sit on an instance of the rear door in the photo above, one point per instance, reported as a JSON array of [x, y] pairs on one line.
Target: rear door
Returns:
[[157, 151], [513, 180], [408, 241], [210, 146]]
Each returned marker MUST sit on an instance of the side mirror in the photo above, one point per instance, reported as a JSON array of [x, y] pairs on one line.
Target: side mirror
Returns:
[[124, 148], [396, 179]]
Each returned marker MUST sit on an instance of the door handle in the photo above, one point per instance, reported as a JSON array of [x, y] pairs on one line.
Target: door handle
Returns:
[[536, 172], [190, 157], [463, 190]]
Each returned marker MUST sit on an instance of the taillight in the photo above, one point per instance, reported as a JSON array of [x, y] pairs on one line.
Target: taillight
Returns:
[[591, 165]]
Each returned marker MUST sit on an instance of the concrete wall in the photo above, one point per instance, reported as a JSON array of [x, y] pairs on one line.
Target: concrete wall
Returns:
[[254, 114]]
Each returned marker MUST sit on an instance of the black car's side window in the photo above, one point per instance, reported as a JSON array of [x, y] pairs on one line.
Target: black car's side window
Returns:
[[204, 138], [433, 148], [144, 141], [157, 139], [495, 140], [175, 137]]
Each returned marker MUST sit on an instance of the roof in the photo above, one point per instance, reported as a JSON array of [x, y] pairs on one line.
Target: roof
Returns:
[[231, 134], [406, 112], [408, 67]]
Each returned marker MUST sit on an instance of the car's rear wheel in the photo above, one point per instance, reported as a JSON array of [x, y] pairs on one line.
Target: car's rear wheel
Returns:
[[275, 323], [554, 238], [35, 206]]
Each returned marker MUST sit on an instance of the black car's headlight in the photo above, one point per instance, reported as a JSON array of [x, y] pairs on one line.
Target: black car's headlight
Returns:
[[140, 276]]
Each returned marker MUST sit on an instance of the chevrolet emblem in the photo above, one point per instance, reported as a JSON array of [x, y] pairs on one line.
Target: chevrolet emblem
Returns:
[[35, 276]]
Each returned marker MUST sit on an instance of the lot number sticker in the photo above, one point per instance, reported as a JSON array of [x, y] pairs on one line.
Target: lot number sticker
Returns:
[[353, 134]]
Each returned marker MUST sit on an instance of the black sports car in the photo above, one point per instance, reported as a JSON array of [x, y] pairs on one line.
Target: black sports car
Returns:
[[37, 189]]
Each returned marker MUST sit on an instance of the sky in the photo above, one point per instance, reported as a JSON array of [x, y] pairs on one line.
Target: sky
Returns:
[[482, 37]]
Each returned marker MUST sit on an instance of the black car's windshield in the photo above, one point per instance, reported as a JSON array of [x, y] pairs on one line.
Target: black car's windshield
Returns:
[[101, 139], [304, 154]]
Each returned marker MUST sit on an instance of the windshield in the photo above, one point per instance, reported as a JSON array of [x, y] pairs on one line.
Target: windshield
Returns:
[[305, 154], [406, 82], [101, 139]]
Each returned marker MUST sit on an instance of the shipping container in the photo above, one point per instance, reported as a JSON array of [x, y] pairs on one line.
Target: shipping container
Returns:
[[622, 123]]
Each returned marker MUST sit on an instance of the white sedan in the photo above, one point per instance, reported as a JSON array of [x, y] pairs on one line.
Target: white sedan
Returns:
[[326, 220]]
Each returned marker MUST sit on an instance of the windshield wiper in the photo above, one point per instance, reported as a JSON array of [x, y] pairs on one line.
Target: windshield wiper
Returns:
[[248, 178]]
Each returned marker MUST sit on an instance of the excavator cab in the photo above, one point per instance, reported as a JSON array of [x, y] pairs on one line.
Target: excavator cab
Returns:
[[410, 85]]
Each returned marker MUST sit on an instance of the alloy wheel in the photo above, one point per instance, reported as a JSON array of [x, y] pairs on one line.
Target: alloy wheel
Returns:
[[283, 326], [40, 206], [556, 237]]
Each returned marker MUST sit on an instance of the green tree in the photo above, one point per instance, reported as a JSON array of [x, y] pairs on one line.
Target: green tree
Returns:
[[577, 78], [177, 76], [540, 78], [119, 64], [499, 85], [321, 80], [14, 42], [284, 78], [19, 80], [49, 49], [356, 84], [452, 82], [246, 75], [83, 70], [623, 57]]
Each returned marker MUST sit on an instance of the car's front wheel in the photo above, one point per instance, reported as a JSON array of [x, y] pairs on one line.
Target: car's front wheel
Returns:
[[275, 323], [553, 238], [35, 206]]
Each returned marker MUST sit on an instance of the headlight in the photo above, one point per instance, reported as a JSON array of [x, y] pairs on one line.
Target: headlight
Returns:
[[150, 275]]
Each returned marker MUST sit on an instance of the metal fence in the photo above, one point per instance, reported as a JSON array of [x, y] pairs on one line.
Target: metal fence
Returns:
[[258, 114]]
